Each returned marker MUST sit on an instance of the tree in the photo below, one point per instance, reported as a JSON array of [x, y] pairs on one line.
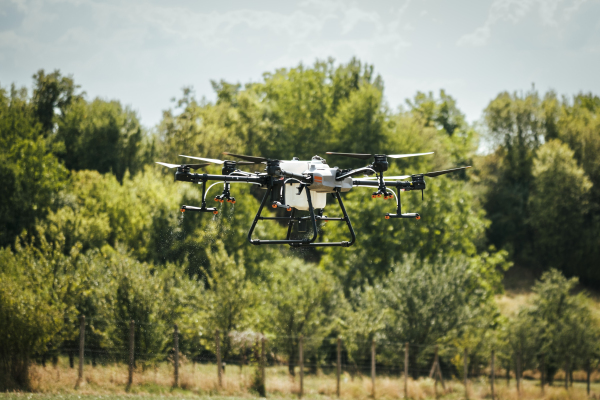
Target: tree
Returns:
[[567, 330], [515, 123], [31, 319], [31, 175], [559, 204], [99, 135], [52, 92], [303, 301], [231, 301], [433, 302]]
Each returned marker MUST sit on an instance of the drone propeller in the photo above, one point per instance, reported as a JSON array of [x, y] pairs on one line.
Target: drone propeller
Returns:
[[445, 171], [428, 174], [367, 156], [192, 166], [253, 159], [215, 161]]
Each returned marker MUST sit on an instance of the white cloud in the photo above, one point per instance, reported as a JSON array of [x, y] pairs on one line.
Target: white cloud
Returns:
[[552, 13]]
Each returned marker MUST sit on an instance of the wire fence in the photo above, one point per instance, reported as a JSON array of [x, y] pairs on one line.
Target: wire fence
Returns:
[[332, 356]]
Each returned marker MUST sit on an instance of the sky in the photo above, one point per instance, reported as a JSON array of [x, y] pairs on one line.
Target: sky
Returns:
[[144, 52]]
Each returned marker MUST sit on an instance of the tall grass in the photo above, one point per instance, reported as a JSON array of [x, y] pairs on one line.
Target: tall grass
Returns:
[[201, 380]]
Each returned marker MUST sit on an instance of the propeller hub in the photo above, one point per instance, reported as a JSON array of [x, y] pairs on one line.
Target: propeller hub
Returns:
[[273, 167], [380, 163], [228, 167]]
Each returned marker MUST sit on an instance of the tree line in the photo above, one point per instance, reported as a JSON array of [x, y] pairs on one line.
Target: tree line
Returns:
[[90, 225]]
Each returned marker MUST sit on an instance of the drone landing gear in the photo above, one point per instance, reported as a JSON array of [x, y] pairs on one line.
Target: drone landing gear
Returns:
[[305, 242], [199, 209], [203, 208], [399, 211]]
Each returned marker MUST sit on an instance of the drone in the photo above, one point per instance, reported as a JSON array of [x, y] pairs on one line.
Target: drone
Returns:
[[295, 185]]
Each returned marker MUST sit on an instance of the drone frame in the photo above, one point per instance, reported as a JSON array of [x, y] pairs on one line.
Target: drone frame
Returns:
[[305, 242], [275, 179]]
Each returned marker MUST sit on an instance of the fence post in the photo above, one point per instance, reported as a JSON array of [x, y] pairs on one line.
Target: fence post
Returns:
[[373, 368], [406, 370], [493, 371], [176, 358], [263, 362], [435, 369], [543, 370], [567, 374], [589, 368], [131, 352], [339, 363], [219, 367], [466, 372], [301, 364], [519, 371], [81, 347]]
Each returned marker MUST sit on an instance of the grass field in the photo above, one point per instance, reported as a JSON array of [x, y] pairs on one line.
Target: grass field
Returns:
[[109, 382]]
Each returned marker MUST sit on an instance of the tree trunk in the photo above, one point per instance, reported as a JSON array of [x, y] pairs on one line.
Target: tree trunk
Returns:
[[412, 356]]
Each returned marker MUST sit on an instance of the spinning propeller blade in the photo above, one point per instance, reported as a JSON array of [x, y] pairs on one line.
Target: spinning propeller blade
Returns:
[[408, 155], [192, 166], [353, 155], [367, 156], [446, 171], [253, 159], [215, 161]]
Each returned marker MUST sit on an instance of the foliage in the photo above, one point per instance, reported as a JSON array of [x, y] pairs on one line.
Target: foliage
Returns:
[[303, 302], [88, 227], [555, 324], [558, 215], [30, 174], [99, 135], [539, 181]]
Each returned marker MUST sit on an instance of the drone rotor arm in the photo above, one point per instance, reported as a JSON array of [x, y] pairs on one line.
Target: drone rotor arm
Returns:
[[354, 172]]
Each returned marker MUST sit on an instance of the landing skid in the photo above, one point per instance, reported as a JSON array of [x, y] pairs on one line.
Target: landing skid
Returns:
[[306, 242]]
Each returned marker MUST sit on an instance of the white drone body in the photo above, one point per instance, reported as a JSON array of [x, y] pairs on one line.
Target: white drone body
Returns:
[[323, 182]]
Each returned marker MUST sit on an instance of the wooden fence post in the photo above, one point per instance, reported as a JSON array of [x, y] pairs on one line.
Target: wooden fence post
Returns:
[[131, 352], [589, 371], [466, 371], [406, 370], [493, 371], [301, 364], [176, 358], [263, 360], [543, 371], [435, 368], [339, 364], [518, 371], [567, 374], [219, 366], [373, 368], [81, 348]]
